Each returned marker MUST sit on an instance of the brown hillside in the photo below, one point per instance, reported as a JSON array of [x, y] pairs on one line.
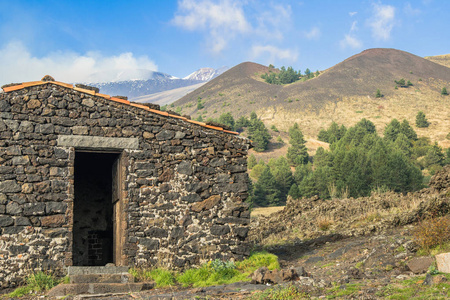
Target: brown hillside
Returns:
[[345, 93], [440, 59]]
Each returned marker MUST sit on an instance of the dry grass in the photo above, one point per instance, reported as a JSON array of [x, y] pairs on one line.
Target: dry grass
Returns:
[[311, 218], [265, 211]]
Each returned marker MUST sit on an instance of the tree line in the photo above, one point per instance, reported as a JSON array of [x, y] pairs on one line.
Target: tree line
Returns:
[[286, 76]]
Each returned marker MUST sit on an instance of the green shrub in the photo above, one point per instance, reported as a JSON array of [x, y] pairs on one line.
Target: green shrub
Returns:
[[161, 277]]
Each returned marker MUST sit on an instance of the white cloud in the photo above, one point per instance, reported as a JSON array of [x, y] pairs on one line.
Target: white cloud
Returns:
[[409, 10], [350, 41], [383, 21], [222, 20], [313, 34], [352, 13], [272, 53], [19, 65]]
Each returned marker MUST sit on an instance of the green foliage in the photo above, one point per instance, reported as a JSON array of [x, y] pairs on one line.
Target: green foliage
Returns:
[[409, 83], [274, 128], [227, 119], [266, 191], [444, 91], [163, 108], [359, 162], [200, 118], [258, 133], [434, 156], [200, 103], [35, 282], [333, 134], [378, 94], [394, 128], [282, 174], [162, 277], [251, 161], [401, 82], [290, 292], [421, 120], [257, 170], [219, 272], [297, 153], [285, 76], [258, 260], [294, 192]]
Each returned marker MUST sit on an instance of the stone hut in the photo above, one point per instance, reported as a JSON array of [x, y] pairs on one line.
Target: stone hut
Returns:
[[87, 179]]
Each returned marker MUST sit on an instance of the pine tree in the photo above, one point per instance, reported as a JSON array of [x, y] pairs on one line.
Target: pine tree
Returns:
[[392, 130], [378, 94], [421, 120], [266, 192], [444, 91], [227, 119], [294, 192], [251, 161], [282, 174], [297, 153], [408, 131]]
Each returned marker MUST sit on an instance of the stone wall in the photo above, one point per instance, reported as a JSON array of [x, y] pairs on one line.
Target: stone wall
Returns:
[[184, 184]]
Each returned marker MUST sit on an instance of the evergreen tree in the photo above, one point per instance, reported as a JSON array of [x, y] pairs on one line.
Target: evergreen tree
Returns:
[[266, 192], [403, 144], [258, 133], [434, 156], [378, 94], [282, 174], [227, 119], [421, 120], [294, 192], [392, 130], [251, 161], [297, 153], [444, 91], [408, 131]]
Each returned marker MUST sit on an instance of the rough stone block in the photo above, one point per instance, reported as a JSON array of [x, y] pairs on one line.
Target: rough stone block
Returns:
[[420, 265], [443, 262]]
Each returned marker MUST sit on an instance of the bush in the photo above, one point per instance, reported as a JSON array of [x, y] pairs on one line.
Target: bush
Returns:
[[432, 232]]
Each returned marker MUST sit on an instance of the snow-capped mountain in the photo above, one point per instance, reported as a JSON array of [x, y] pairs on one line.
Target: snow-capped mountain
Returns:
[[146, 82], [119, 75], [206, 74]]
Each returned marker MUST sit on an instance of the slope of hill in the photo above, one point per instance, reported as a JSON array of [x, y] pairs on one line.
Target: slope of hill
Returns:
[[167, 97], [440, 59], [345, 93]]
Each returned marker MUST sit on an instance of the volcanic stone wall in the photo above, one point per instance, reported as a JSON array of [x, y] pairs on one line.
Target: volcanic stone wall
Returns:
[[184, 185]]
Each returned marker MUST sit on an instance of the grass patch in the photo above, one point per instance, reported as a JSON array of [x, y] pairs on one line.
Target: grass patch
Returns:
[[290, 292], [35, 283], [415, 289], [359, 111], [212, 273], [339, 292]]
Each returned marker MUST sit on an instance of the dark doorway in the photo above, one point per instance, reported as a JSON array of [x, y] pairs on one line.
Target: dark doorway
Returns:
[[93, 238]]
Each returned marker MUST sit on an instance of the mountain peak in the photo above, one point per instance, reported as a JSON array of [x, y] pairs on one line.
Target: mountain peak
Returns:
[[205, 74]]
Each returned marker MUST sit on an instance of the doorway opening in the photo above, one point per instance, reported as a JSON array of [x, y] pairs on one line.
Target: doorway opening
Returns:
[[93, 210]]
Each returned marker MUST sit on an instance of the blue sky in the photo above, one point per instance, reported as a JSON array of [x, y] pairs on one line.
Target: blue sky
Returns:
[[72, 39]]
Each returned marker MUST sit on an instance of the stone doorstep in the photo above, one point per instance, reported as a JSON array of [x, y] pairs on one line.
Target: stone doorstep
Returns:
[[76, 270], [98, 288], [102, 278]]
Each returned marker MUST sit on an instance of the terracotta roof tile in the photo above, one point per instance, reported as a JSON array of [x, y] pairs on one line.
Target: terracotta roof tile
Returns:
[[13, 88], [108, 97]]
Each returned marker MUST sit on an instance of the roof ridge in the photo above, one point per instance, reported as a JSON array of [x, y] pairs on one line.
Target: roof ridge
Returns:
[[11, 88]]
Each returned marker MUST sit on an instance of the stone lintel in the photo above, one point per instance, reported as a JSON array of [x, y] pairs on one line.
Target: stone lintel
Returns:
[[97, 142]]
